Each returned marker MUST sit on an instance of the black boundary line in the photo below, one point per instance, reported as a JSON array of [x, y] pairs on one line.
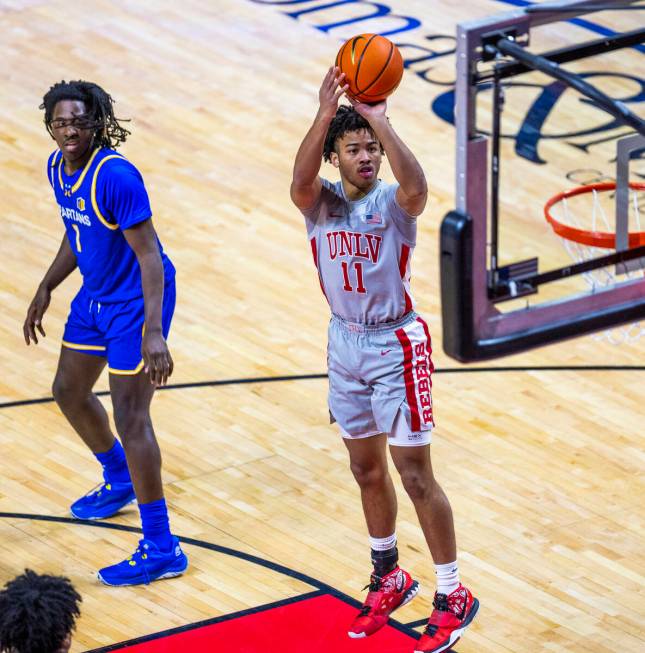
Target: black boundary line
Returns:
[[179, 386], [308, 377], [321, 587]]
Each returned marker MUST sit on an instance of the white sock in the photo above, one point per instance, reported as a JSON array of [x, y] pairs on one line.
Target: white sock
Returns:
[[383, 543], [447, 578]]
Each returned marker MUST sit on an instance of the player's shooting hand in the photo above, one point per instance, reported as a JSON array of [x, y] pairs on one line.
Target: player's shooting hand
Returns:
[[35, 313], [369, 111], [156, 357], [332, 88]]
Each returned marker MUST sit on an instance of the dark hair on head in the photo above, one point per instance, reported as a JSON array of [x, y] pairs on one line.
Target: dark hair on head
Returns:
[[37, 612], [107, 130], [347, 119]]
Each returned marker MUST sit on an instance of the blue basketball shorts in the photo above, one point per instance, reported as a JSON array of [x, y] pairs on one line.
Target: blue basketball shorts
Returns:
[[115, 330], [380, 379]]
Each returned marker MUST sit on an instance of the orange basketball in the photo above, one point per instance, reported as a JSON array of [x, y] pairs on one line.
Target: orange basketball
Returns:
[[373, 67]]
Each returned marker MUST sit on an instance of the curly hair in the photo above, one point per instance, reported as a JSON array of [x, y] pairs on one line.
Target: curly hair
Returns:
[[108, 132], [347, 119], [37, 612]]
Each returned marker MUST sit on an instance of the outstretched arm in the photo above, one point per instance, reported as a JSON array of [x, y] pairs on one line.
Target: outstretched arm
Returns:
[[306, 184], [62, 266], [413, 189]]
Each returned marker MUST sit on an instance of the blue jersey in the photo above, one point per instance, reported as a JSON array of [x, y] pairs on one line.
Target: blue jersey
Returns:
[[97, 203]]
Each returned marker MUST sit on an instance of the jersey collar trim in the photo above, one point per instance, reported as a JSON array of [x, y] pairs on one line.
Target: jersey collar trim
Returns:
[[80, 180], [362, 199]]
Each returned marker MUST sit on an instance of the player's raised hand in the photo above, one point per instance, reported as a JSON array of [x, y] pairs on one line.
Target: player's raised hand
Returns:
[[156, 356], [369, 111], [35, 312], [331, 89]]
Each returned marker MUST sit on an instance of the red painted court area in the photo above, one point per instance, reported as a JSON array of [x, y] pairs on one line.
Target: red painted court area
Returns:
[[319, 623]]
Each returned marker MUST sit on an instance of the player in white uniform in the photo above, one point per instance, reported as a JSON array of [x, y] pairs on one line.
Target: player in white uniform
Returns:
[[362, 233]]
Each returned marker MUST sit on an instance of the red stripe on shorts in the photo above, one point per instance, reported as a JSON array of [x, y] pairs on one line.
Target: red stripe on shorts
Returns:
[[408, 376], [314, 251], [430, 363], [428, 346], [403, 266]]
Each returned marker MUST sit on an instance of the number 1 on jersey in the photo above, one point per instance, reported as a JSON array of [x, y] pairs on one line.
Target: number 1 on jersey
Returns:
[[359, 277], [78, 237]]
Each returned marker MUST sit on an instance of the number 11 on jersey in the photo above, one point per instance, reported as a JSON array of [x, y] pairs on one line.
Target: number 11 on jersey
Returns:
[[360, 288]]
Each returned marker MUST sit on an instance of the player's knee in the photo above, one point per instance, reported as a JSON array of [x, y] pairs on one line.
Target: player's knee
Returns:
[[65, 393], [368, 474], [131, 422], [418, 484]]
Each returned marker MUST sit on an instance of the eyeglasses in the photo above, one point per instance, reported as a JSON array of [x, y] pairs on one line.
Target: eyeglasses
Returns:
[[79, 122]]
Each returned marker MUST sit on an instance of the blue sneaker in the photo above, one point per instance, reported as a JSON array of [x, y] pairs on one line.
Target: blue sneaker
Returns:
[[103, 501], [146, 564]]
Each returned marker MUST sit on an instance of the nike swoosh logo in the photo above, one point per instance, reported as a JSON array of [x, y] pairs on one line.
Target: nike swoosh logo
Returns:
[[385, 351]]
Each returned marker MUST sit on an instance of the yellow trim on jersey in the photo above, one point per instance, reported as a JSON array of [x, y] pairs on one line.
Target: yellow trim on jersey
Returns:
[[52, 167], [136, 370], [60, 174], [95, 206], [79, 181], [73, 345]]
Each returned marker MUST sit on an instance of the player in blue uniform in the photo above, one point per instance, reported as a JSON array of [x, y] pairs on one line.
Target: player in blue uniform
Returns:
[[120, 317]]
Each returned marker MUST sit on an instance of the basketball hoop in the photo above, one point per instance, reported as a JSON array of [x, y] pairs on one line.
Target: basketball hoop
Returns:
[[580, 217]]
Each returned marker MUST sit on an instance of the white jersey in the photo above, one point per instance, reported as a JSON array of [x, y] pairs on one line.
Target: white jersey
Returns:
[[362, 250]]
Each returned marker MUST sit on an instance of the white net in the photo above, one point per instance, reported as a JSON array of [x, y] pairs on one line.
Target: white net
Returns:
[[593, 211]]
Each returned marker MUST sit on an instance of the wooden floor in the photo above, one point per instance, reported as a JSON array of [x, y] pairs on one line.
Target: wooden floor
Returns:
[[544, 468]]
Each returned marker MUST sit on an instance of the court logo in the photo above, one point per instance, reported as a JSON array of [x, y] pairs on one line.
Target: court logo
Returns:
[[534, 128], [80, 204], [424, 55]]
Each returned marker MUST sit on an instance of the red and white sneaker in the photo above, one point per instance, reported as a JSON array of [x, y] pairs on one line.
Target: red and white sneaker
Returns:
[[385, 595], [452, 614]]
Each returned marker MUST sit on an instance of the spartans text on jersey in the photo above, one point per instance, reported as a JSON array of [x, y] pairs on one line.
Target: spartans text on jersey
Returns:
[[75, 216]]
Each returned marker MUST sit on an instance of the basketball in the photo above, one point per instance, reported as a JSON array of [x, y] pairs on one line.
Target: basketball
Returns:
[[373, 67]]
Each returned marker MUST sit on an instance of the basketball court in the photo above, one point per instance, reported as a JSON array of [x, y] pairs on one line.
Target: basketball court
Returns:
[[538, 391]]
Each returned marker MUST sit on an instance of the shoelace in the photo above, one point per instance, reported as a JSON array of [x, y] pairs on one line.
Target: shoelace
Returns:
[[375, 583], [142, 557], [374, 586], [96, 490], [440, 603]]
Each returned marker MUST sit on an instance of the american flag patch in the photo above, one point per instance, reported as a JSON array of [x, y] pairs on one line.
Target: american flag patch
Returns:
[[372, 218]]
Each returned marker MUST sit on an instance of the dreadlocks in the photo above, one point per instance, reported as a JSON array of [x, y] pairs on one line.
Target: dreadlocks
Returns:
[[107, 130], [37, 612], [347, 119]]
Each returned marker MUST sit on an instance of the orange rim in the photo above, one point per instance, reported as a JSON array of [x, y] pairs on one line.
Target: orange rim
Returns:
[[601, 239]]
